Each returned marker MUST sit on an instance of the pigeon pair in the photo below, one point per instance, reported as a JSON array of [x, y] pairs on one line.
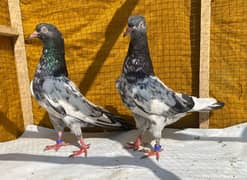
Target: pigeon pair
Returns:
[[153, 104]]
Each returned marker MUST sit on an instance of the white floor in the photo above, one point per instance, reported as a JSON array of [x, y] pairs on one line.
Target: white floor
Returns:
[[188, 154]]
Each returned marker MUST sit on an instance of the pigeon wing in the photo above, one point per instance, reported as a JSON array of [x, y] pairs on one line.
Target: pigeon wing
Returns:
[[153, 97], [62, 96]]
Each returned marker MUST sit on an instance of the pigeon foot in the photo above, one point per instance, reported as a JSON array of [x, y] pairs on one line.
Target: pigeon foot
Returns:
[[153, 152], [56, 147], [82, 150]]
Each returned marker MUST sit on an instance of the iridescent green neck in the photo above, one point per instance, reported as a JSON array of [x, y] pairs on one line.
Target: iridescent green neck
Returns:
[[53, 60]]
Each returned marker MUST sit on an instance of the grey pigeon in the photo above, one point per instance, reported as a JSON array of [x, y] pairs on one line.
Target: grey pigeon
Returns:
[[154, 105], [54, 91]]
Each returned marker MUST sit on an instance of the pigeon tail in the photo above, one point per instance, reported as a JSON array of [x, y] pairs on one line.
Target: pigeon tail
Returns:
[[114, 122], [206, 104]]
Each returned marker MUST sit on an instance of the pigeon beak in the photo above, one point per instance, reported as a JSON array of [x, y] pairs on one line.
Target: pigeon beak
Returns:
[[35, 34], [127, 31]]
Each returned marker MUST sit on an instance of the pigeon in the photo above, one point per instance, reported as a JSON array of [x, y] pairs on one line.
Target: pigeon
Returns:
[[153, 104], [55, 92]]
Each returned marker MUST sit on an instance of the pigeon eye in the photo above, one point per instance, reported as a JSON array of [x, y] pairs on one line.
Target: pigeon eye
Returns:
[[44, 29], [141, 25]]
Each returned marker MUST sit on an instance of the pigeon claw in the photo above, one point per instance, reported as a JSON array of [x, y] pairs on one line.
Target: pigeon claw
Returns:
[[154, 152], [134, 145], [56, 146], [82, 150]]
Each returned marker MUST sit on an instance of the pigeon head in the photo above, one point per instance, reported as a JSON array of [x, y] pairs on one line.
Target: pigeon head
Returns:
[[137, 64], [136, 24], [46, 32], [52, 61]]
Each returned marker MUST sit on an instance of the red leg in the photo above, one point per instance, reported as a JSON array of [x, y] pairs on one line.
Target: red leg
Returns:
[[83, 149], [56, 147], [154, 152], [59, 143], [135, 145]]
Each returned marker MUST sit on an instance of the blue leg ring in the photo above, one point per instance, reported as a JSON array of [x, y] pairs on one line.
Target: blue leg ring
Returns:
[[59, 141], [157, 147]]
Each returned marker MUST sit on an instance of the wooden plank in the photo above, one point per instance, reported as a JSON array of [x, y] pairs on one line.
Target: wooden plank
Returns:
[[21, 62], [204, 58], [8, 31]]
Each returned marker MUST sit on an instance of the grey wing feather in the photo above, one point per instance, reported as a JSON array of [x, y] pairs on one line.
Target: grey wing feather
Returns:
[[152, 96], [62, 96], [124, 89]]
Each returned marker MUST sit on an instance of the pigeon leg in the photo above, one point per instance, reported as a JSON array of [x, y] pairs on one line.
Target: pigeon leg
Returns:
[[142, 125], [83, 148], [59, 143], [155, 151], [135, 145]]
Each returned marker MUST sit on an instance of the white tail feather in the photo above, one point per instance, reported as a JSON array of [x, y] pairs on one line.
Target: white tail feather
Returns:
[[205, 104]]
